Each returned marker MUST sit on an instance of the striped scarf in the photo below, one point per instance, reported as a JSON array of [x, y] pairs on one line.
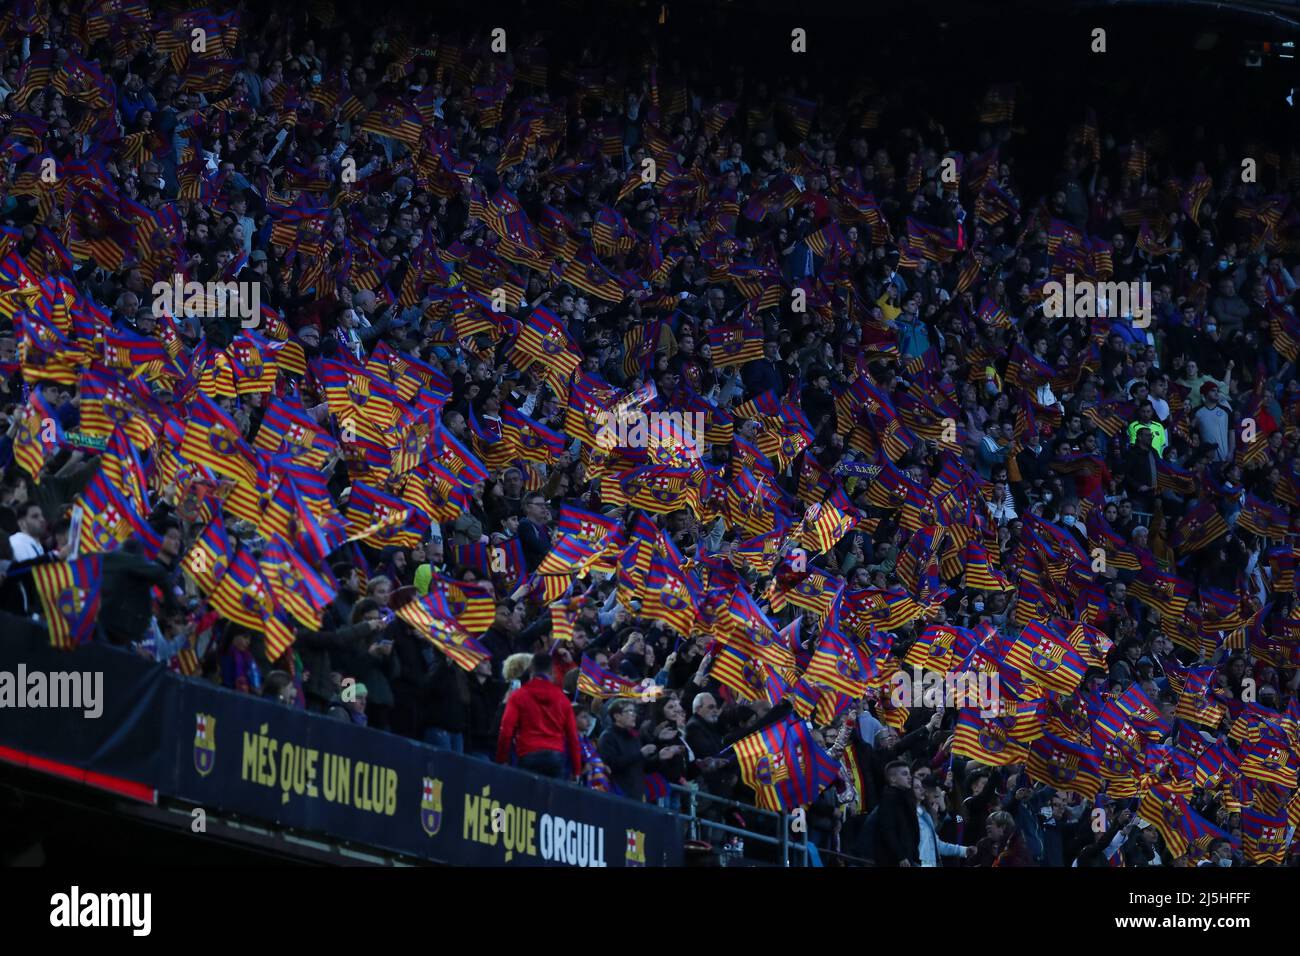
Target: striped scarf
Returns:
[[598, 777]]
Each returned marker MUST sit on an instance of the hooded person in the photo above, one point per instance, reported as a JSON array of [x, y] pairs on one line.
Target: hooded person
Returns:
[[423, 578], [467, 530]]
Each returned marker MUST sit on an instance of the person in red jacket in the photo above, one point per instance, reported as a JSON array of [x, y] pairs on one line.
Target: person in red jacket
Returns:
[[539, 725]]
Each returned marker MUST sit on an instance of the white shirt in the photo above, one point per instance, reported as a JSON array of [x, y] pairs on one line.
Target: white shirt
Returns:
[[24, 546], [1003, 511]]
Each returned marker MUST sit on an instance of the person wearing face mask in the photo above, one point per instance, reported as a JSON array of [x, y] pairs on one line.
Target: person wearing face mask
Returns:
[[1220, 854], [1034, 469], [1071, 522], [1194, 380], [1227, 308]]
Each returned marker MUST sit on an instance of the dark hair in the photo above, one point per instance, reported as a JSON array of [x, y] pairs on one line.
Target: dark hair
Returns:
[[362, 608], [619, 706], [275, 682], [541, 663], [896, 765]]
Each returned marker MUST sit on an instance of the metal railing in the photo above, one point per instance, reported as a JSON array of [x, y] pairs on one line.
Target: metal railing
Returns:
[[803, 851], [695, 824]]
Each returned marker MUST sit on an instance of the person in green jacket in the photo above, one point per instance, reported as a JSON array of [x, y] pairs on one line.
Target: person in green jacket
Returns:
[[1147, 419]]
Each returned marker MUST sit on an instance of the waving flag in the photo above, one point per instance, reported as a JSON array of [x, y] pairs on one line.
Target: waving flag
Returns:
[[543, 339], [670, 597], [69, 592], [748, 675], [1064, 765], [287, 429], [1266, 520], [934, 648], [596, 682], [39, 437], [1165, 810], [1139, 709], [1270, 758], [784, 765], [242, 595], [840, 664], [1198, 528], [372, 513], [1047, 658], [530, 440], [212, 439], [295, 585], [736, 344], [1264, 836], [987, 739], [433, 619]]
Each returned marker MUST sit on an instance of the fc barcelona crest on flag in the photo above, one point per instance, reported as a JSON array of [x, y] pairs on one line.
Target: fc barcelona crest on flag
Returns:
[[205, 743], [431, 806], [993, 737], [1063, 768], [221, 440], [1047, 656], [553, 342], [71, 602]]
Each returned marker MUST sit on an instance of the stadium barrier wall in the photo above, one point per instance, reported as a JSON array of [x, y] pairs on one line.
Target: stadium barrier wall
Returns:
[[233, 753]]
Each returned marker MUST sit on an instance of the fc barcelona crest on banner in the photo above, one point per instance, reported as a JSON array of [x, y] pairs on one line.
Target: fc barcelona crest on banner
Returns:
[[205, 743], [635, 848], [431, 806]]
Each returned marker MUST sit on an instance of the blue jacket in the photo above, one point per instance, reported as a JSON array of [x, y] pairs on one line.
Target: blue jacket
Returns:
[[931, 847]]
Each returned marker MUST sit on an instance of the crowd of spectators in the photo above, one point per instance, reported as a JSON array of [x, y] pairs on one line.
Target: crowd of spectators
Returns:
[[1167, 441]]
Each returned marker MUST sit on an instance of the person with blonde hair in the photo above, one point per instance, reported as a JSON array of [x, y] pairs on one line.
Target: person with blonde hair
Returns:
[[513, 669]]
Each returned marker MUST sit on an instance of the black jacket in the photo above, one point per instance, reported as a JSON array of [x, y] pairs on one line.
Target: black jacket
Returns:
[[449, 697], [59, 488], [898, 832], [500, 645], [128, 583], [705, 740], [536, 542], [484, 701], [413, 685], [621, 751], [764, 375], [1062, 840], [319, 650], [376, 672]]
